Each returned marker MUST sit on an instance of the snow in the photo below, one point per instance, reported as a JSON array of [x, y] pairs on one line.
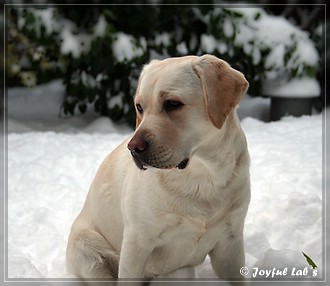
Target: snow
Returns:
[[267, 31], [228, 28], [208, 43], [182, 48], [52, 161], [77, 43], [256, 32], [124, 47], [74, 44], [162, 39], [100, 27], [298, 88], [46, 17]]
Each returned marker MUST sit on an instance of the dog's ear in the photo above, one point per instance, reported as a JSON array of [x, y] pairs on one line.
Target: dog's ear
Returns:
[[223, 87]]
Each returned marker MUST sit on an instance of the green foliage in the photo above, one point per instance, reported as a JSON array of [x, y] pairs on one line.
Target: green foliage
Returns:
[[100, 50], [32, 54], [310, 261]]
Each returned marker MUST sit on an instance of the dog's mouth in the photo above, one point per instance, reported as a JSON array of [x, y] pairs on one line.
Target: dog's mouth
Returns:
[[144, 164]]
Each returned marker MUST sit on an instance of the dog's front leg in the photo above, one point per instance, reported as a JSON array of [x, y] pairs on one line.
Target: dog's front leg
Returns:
[[228, 257], [135, 252]]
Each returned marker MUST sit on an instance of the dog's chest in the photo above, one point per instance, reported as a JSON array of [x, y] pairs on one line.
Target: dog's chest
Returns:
[[190, 230], [184, 241]]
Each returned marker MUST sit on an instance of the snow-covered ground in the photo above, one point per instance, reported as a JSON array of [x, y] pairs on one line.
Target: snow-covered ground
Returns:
[[52, 161]]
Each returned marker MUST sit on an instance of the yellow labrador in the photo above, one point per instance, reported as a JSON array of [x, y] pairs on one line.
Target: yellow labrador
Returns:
[[178, 189]]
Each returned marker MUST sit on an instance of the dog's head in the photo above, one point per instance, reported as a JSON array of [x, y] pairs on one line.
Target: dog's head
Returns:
[[178, 102]]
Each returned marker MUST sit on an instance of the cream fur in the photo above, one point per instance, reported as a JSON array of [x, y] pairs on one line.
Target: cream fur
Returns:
[[148, 223]]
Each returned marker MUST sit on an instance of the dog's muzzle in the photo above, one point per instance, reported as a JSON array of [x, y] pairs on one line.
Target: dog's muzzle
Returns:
[[137, 161], [144, 164]]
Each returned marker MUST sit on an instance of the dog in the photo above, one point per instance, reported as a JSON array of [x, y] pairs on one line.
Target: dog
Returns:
[[178, 189]]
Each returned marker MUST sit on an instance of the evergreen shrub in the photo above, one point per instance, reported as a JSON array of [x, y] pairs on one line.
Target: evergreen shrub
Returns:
[[99, 50]]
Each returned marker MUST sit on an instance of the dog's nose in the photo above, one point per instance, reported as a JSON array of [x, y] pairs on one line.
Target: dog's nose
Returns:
[[137, 144]]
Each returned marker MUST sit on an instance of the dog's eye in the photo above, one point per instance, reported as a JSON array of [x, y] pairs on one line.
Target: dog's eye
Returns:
[[170, 105], [139, 108]]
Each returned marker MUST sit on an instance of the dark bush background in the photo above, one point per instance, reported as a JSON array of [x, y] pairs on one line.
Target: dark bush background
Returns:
[[140, 21]]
